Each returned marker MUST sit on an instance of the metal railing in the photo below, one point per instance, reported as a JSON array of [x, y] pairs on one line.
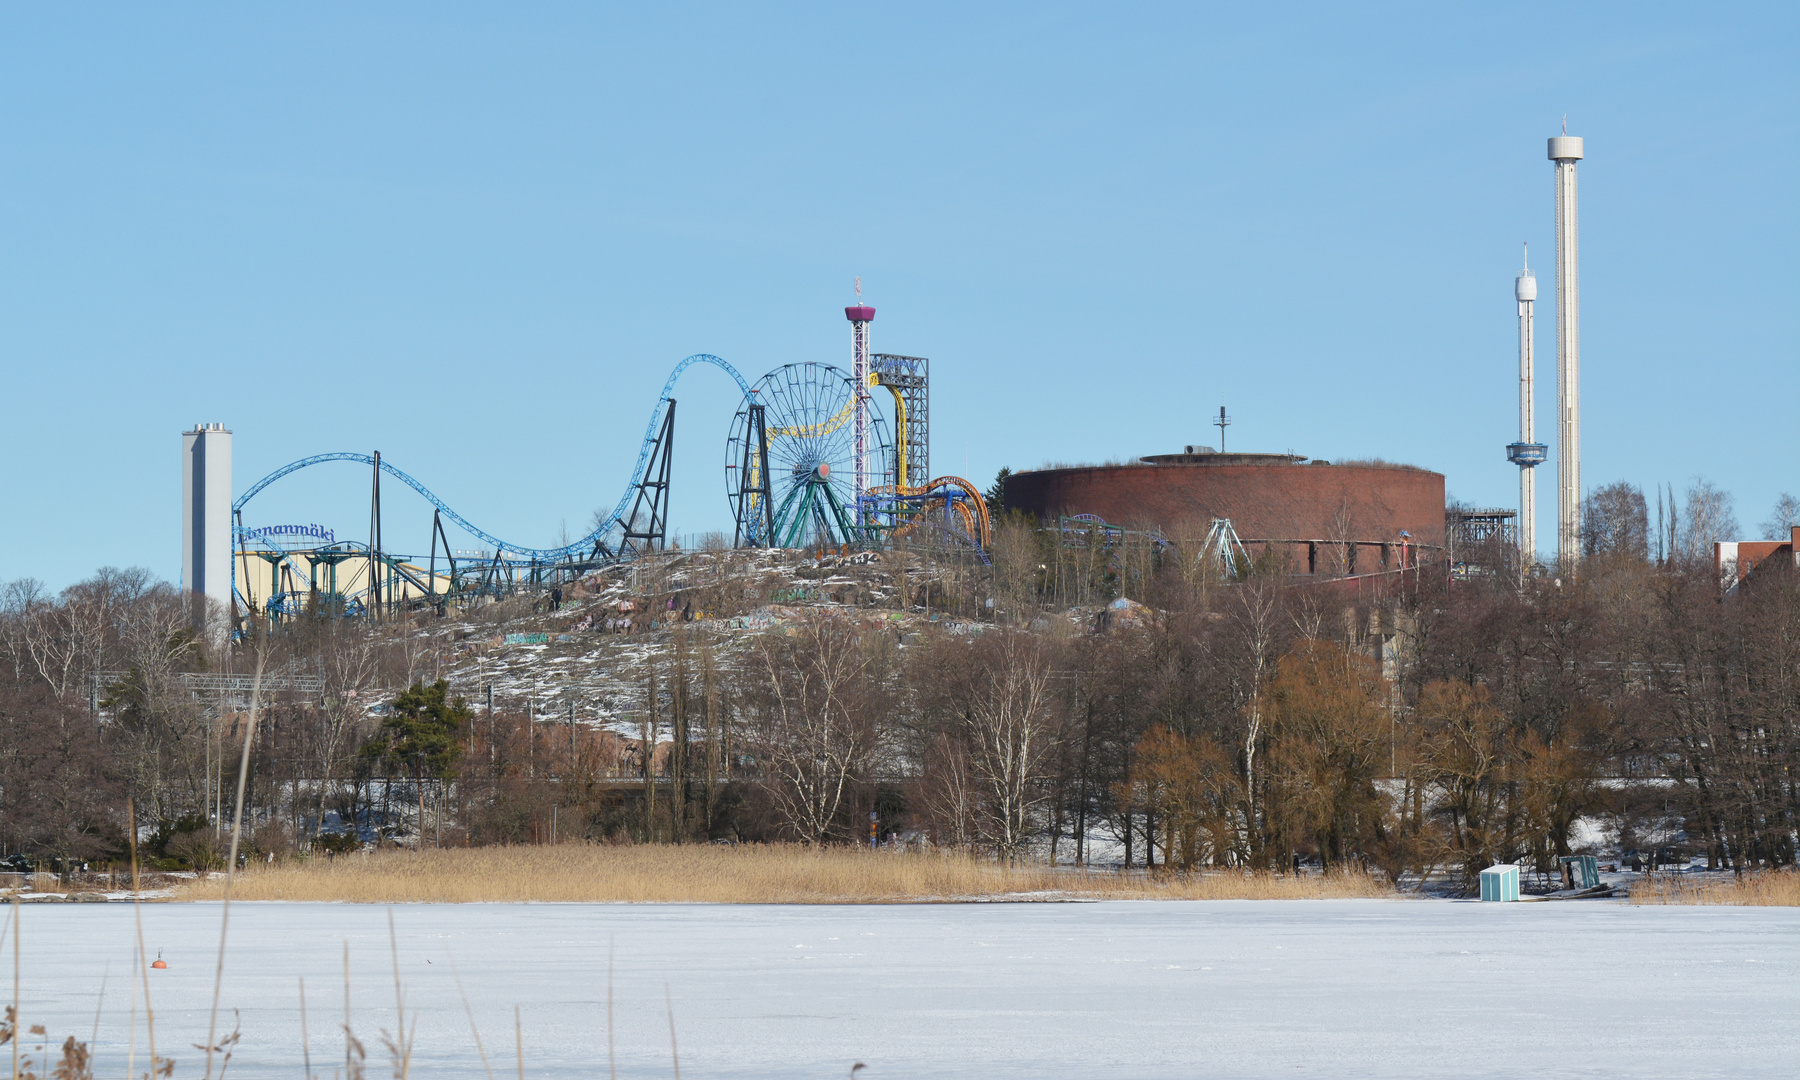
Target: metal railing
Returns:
[[211, 683]]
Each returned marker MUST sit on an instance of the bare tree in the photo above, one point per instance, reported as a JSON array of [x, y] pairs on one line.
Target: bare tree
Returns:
[[1343, 532], [163, 730], [346, 656], [1258, 604], [1782, 519], [1016, 562], [1195, 791], [1329, 741], [946, 793], [20, 602], [1616, 522], [53, 641], [1010, 731], [715, 734], [1465, 752], [58, 788], [1708, 517], [813, 726]]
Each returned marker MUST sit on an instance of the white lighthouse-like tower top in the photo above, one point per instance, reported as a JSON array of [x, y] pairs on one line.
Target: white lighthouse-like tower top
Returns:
[[1565, 147], [1525, 285]]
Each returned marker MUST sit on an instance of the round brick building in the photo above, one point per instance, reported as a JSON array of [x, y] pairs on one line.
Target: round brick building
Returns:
[[1352, 518]]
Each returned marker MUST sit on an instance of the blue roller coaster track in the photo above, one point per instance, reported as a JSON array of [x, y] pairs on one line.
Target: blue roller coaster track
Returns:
[[541, 555]]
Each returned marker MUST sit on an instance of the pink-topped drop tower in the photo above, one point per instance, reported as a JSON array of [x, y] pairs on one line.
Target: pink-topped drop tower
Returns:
[[860, 316]]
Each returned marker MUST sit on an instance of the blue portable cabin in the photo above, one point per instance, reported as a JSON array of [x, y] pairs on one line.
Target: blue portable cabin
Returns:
[[1582, 871], [1500, 882]]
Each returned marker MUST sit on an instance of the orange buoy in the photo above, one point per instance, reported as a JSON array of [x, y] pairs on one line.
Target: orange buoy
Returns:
[[158, 962]]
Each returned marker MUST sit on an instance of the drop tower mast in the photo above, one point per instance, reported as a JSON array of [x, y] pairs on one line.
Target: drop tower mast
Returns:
[[1565, 150], [860, 316]]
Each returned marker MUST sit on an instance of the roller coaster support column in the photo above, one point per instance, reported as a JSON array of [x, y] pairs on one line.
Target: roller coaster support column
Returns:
[[244, 557], [651, 533], [755, 501], [438, 534], [270, 607], [375, 590]]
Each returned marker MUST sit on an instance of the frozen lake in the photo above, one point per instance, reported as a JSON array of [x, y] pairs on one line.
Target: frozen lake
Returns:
[[1240, 989]]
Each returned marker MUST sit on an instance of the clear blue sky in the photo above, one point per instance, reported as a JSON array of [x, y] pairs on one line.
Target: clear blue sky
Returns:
[[477, 238]]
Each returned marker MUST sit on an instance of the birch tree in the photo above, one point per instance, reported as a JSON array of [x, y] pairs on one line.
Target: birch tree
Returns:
[[1009, 729], [814, 730]]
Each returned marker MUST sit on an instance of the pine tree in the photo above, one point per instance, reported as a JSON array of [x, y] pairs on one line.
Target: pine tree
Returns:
[[996, 493], [422, 727]]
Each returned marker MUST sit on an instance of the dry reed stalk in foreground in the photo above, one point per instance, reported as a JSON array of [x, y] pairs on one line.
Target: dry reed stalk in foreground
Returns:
[[735, 875], [1771, 888]]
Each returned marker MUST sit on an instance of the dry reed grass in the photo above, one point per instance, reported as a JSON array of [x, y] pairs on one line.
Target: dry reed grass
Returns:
[[734, 875], [1774, 888]]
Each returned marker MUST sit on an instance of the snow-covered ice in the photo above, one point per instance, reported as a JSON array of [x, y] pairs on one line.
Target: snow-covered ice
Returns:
[[1127, 989]]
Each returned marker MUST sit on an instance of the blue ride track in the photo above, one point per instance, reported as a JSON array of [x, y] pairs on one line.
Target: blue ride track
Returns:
[[556, 554]]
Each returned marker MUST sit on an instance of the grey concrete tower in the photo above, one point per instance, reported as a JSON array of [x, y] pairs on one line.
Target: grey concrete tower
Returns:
[[206, 525], [1565, 151]]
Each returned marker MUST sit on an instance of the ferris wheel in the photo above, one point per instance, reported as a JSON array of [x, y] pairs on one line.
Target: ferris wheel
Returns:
[[801, 493]]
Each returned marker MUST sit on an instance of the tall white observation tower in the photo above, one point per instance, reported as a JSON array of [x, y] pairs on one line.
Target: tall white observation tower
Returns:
[[206, 524], [1565, 151], [1527, 453]]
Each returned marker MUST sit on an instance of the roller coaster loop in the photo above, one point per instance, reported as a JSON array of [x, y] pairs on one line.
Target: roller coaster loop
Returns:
[[901, 509], [556, 554]]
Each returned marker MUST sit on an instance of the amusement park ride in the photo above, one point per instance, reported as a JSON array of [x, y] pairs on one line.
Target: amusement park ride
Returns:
[[808, 464]]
